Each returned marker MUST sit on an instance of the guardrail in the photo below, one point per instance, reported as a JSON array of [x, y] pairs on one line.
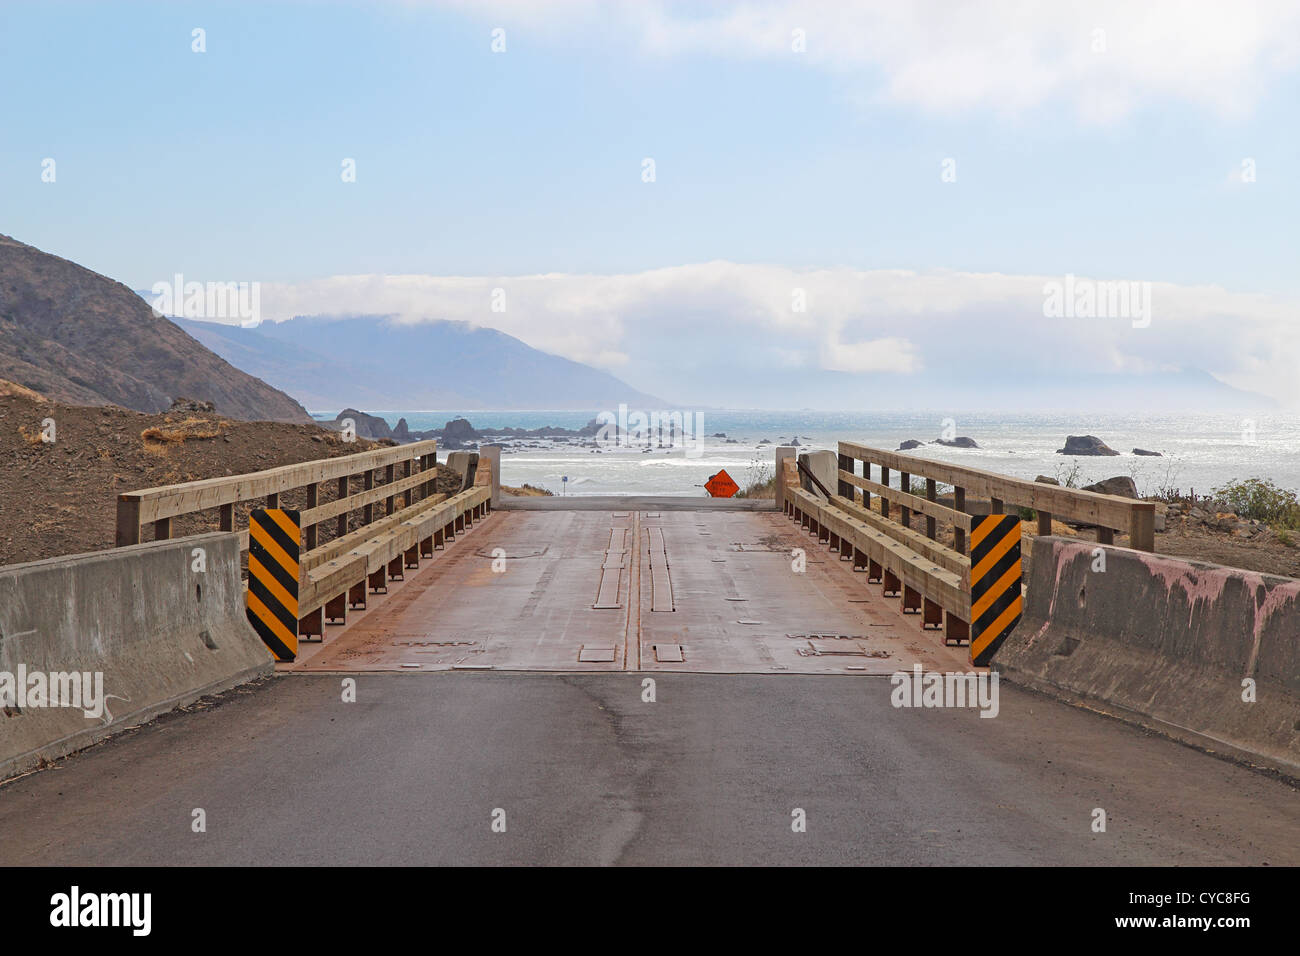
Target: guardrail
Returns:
[[973, 593], [159, 506], [364, 548], [1109, 513]]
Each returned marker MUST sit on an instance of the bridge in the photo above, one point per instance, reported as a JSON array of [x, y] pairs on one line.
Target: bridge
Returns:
[[342, 662]]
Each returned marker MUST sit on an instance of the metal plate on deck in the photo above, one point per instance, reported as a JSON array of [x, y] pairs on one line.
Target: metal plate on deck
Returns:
[[669, 653], [596, 655]]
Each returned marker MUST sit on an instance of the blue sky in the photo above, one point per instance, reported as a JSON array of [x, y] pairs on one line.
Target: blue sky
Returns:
[[225, 165]]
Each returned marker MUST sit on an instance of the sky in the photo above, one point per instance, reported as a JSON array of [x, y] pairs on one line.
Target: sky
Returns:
[[865, 189]]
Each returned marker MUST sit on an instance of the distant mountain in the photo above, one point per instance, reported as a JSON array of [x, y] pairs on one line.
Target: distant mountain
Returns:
[[370, 362], [79, 337]]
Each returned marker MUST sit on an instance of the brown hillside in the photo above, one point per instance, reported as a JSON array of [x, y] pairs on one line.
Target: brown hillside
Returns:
[[79, 337], [61, 498]]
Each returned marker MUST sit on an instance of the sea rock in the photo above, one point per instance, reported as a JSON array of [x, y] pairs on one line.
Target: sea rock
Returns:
[[910, 444], [458, 432], [959, 442], [1149, 454], [1121, 485], [1085, 445], [1043, 479]]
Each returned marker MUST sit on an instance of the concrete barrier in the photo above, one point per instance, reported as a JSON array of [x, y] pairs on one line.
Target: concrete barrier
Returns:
[[1166, 643], [825, 467], [160, 632], [465, 464]]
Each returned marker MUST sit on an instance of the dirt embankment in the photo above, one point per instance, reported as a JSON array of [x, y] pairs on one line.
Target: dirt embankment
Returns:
[[60, 497]]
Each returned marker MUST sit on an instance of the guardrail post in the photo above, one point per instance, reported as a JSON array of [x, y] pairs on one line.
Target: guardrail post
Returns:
[[959, 534], [128, 521], [491, 454], [228, 517], [162, 529], [1044, 523], [997, 506], [845, 489], [866, 473], [1142, 527], [905, 485], [389, 474], [931, 493], [1105, 535], [313, 499], [884, 480], [341, 527], [367, 484]]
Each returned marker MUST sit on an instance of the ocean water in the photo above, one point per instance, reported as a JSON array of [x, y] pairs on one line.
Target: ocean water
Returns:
[[1200, 451]]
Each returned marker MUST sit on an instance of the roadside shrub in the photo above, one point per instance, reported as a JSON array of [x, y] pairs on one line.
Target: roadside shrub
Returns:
[[1262, 500]]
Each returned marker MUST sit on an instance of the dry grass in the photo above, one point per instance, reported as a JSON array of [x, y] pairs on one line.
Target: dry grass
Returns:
[[32, 437], [191, 429], [525, 491], [10, 389]]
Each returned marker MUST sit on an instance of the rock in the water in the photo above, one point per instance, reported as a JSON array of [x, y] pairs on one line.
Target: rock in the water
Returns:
[[1121, 485], [458, 432], [1085, 445], [909, 445], [1150, 454], [960, 442], [1046, 481]]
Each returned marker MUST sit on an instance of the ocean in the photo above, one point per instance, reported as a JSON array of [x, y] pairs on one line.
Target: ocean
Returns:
[[1199, 451]]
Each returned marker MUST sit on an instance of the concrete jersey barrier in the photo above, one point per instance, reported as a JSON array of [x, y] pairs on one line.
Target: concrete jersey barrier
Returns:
[[1167, 643], [160, 632]]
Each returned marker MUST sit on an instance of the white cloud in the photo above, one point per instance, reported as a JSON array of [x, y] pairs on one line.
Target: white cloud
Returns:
[[949, 56], [693, 320]]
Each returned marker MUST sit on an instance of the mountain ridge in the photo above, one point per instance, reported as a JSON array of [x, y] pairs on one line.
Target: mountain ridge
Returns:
[[374, 362], [80, 337]]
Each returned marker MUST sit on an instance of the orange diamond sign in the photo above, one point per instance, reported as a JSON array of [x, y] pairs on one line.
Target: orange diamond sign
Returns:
[[721, 485]]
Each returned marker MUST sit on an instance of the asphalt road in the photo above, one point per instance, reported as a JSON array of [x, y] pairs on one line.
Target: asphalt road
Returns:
[[587, 773]]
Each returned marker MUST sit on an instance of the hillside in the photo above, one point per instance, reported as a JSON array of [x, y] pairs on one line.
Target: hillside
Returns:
[[100, 452], [77, 336], [369, 362]]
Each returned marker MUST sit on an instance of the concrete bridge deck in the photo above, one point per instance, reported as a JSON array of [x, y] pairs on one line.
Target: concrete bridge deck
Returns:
[[775, 718], [617, 590]]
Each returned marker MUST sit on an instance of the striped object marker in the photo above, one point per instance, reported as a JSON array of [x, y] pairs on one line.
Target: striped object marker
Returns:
[[273, 551], [996, 604]]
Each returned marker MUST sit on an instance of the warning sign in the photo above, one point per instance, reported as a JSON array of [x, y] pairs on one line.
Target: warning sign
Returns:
[[721, 485]]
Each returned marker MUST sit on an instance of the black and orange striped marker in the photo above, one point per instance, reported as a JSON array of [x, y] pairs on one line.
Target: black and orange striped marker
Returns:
[[996, 604], [273, 550]]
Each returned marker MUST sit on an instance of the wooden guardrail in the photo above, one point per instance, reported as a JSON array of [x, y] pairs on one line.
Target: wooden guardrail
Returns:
[[1109, 513], [932, 578], [159, 506], [333, 574]]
